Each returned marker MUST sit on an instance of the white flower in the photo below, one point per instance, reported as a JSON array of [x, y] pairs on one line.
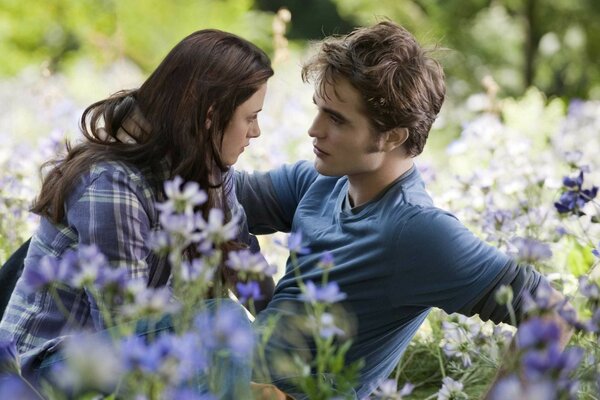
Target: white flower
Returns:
[[182, 201], [451, 390], [326, 326], [215, 230], [91, 362], [196, 270], [248, 262], [388, 390], [149, 301], [456, 344]]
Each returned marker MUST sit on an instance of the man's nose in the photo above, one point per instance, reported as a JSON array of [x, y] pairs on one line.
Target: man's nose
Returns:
[[316, 130]]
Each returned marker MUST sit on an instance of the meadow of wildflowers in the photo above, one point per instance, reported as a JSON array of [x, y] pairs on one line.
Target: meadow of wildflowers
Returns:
[[523, 175]]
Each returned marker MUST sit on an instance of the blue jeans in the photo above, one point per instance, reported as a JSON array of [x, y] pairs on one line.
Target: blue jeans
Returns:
[[232, 375]]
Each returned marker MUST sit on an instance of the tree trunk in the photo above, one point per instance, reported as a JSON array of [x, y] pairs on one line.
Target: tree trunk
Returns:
[[532, 39]]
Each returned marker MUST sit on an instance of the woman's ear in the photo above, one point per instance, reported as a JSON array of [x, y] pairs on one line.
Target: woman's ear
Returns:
[[209, 115], [394, 138]]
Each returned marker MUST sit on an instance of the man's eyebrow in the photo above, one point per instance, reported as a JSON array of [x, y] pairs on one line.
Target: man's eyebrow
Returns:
[[332, 112]]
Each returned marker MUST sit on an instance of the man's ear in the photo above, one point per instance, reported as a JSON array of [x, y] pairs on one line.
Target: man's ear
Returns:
[[395, 138], [208, 120]]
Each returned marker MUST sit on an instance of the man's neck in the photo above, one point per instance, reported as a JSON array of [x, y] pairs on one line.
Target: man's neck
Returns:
[[365, 187]]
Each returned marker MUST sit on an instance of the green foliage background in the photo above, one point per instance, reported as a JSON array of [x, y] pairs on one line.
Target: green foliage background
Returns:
[[55, 32], [552, 44]]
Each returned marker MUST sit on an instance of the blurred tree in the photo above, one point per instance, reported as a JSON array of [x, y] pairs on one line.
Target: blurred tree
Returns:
[[55, 31], [553, 45], [311, 19]]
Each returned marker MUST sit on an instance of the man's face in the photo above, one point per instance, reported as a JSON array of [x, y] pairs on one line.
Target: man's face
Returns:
[[342, 139]]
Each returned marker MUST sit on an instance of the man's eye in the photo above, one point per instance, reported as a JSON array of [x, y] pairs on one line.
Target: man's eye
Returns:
[[335, 119]]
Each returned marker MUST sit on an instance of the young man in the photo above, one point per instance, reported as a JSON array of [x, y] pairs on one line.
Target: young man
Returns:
[[396, 256]]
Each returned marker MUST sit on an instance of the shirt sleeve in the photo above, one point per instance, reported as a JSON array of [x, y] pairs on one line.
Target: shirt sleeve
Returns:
[[110, 215], [442, 264], [521, 278], [270, 198]]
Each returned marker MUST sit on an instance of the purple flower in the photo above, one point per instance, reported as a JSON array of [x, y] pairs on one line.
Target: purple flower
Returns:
[[530, 250], [47, 272], [576, 108], [499, 220], [87, 267], [195, 270], [187, 394], [326, 326], [537, 363], [329, 293], [13, 387], [512, 388], [537, 332], [593, 324], [574, 198], [181, 229], [246, 262], [589, 288], [294, 244], [596, 251], [112, 279], [573, 183], [554, 364], [192, 355], [226, 330], [135, 355], [570, 315], [542, 300], [90, 362], [249, 290], [9, 358], [149, 301], [154, 357], [326, 262]]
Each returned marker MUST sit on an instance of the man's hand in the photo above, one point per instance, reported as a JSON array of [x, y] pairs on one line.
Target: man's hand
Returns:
[[263, 391], [131, 130]]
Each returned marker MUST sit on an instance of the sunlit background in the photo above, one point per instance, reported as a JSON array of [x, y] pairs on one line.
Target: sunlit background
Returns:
[[521, 113]]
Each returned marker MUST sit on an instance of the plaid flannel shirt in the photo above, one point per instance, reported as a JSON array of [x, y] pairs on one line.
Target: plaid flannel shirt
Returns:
[[113, 207]]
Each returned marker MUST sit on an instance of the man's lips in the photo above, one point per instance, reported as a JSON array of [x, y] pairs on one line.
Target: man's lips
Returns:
[[319, 152]]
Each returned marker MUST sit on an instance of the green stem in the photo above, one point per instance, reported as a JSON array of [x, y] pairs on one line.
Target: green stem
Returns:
[[441, 362], [30, 386], [511, 312]]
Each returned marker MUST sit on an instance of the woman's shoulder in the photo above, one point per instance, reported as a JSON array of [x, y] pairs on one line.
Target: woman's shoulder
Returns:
[[113, 176]]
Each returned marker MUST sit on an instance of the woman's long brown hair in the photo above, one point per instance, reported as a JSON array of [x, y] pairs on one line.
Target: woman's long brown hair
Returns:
[[208, 70]]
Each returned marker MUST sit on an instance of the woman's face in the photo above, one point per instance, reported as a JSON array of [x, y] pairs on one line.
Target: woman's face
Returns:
[[242, 127]]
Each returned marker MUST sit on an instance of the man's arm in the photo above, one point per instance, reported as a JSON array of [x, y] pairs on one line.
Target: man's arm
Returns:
[[270, 198]]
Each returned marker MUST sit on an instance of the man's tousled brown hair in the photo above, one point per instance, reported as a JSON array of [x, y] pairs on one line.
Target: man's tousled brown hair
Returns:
[[400, 84]]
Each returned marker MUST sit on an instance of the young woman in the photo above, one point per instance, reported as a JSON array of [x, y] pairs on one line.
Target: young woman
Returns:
[[199, 109]]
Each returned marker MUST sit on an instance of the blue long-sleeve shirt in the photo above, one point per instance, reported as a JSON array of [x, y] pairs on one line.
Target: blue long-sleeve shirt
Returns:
[[395, 257]]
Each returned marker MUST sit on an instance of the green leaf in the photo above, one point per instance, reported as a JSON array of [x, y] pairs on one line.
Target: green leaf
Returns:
[[579, 259]]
